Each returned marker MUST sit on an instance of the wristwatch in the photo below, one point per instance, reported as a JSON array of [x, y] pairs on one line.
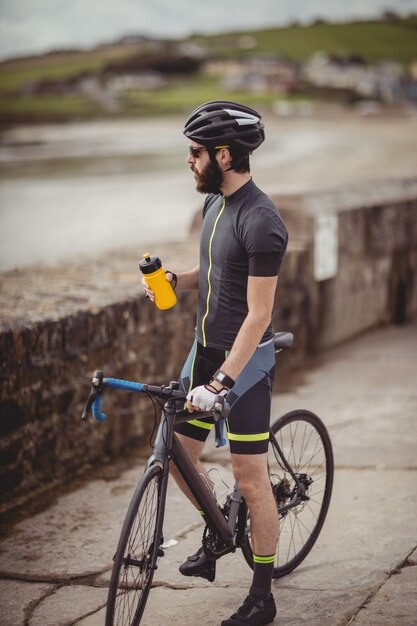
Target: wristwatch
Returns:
[[223, 379]]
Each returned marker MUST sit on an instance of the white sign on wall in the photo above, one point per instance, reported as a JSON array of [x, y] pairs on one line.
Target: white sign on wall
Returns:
[[325, 246]]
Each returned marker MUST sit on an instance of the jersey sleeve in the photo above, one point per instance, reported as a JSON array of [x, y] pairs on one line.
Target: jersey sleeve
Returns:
[[265, 240]]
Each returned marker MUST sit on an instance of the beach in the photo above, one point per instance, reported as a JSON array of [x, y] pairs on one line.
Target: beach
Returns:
[[80, 190]]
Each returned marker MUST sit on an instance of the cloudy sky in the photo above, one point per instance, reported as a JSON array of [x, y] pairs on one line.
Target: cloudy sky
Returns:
[[30, 26]]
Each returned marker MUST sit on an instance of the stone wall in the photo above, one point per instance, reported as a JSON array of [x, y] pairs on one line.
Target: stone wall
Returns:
[[60, 324], [376, 277], [46, 374], [377, 255]]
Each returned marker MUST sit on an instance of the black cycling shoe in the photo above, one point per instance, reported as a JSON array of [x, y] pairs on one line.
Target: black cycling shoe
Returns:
[[253, 612], [199, 565]]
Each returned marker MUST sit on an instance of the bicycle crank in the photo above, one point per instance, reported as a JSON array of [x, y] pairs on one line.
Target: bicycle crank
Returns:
[[213, 546]]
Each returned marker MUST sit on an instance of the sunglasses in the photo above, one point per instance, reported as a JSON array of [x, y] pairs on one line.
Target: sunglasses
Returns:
[[195, 152]]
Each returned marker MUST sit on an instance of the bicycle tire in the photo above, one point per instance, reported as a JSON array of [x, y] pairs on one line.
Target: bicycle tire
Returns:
[[306, 445], [137, 552]]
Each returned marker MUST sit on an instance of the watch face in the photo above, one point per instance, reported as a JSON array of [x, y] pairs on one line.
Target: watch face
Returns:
[[224, 379]]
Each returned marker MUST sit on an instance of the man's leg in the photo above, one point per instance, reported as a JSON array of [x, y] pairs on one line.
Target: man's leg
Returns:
[[197, 370], [196, 564], [251, 473], [193, 448]]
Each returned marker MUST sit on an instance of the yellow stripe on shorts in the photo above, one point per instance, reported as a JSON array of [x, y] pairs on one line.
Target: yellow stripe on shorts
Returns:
[[254, 437], [200, 424]]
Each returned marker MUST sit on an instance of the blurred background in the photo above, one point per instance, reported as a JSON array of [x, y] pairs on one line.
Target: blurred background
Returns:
[[93, 99]]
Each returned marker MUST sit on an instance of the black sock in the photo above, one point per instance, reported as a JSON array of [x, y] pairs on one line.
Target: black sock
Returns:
[[262, 576]]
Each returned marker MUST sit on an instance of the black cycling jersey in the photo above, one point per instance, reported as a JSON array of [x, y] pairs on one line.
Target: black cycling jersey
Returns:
[[242, 235]]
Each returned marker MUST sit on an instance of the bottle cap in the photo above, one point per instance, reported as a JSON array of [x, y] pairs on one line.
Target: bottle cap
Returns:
[[149, 264]]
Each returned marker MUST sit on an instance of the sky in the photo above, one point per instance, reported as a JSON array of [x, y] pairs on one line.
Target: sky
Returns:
[[35, 26]]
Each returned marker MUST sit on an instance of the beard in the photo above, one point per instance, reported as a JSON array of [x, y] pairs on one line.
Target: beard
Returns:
[[209, 179]]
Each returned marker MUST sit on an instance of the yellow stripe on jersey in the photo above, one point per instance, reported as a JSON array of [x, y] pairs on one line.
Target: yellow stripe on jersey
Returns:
[[209, 274]]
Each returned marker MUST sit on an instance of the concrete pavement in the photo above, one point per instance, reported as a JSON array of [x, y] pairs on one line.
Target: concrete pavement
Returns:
[[55, 564]]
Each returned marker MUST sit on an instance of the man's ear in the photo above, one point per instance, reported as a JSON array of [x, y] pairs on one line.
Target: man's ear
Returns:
[[225, 157]]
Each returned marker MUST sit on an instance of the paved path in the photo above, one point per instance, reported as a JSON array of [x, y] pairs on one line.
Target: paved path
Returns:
[[55, 565]]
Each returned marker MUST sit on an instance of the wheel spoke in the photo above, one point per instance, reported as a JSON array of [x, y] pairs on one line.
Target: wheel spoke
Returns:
[[133, 568]]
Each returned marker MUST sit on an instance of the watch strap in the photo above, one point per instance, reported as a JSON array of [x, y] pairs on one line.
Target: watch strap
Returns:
[[223, 379]]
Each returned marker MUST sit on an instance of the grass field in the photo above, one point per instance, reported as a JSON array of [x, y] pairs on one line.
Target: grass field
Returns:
[[185, 94], [374, 41], [18, 72]]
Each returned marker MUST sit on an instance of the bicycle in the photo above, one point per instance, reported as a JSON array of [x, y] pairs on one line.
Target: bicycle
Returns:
[[301, 471]]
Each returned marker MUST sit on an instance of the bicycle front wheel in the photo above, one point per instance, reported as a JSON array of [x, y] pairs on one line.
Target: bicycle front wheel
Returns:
[[301, 468], [137, 552]]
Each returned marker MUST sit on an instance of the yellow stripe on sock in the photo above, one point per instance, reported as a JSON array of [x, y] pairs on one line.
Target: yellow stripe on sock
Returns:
[[264, 559]]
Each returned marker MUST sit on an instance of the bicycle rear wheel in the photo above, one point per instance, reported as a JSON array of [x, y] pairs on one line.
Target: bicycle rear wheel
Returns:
[[137, 552], [301, 470]]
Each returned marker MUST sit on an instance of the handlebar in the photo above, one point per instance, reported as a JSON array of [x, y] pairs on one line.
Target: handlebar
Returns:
[[165, 392], [221, 409]]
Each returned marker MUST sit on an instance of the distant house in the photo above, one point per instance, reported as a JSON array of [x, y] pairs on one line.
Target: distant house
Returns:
[[257, 74], [140, 70], [387, 81]]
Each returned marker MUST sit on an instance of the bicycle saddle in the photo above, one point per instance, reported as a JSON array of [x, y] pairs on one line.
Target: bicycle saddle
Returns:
[[283, 340]]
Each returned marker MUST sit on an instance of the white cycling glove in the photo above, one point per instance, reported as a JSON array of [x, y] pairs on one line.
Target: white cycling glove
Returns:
[[204, 396]]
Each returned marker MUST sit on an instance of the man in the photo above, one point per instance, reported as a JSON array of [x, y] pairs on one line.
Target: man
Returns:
[[243, 241]]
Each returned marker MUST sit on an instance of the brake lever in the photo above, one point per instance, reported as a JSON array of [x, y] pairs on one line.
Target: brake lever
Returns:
[[95, 392], [221, 411]]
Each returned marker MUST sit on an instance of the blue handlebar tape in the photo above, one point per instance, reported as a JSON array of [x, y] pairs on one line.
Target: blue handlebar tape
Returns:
[[113, 383], [98, 414], [126, 385]]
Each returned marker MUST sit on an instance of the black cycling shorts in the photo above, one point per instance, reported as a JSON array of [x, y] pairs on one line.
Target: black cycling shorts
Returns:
[[249, 399]]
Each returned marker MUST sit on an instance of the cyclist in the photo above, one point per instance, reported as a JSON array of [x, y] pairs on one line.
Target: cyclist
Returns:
[[243, 241]]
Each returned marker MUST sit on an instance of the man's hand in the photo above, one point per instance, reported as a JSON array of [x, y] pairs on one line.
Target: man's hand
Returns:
[[148, 291], [203, 398]]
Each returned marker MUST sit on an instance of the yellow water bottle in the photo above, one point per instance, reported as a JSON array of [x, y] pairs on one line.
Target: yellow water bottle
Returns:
[[154, 273]]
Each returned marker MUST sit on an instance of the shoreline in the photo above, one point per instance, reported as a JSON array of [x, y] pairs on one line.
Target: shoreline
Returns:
[[128, 186]]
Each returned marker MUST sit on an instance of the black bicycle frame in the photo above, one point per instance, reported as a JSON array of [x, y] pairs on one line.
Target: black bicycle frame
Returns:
[[168, 447]]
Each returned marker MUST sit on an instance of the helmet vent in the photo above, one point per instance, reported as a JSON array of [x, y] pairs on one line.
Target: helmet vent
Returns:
[[226, 122]]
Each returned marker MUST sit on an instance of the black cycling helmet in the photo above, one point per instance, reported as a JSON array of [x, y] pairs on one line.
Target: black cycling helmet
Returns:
[[222, 123]]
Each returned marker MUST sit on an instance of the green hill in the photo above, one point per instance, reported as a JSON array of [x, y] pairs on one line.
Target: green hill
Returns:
[[374, 41], [20, 102]]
